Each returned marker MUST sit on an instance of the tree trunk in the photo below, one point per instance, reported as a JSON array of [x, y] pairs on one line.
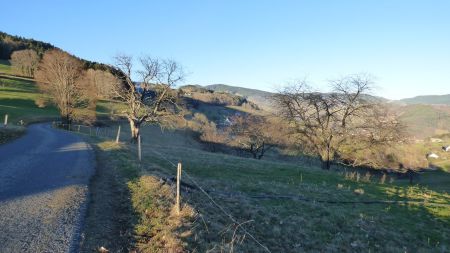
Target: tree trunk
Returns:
[[134, 127], [326, 164]]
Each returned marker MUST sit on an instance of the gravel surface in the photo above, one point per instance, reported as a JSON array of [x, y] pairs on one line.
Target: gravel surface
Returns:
[[44, 180]]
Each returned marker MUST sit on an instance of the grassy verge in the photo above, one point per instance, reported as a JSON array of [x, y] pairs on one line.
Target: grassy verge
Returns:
[[130, 210], [10, 133]]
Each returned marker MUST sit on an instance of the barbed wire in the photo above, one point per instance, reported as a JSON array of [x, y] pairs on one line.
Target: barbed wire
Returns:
[[213, 201], [291, 197]]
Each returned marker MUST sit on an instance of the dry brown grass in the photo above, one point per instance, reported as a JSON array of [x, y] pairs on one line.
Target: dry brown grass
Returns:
[[159, 228]]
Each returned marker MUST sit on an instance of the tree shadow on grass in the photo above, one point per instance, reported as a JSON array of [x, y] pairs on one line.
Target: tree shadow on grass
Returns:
[[110, 219]]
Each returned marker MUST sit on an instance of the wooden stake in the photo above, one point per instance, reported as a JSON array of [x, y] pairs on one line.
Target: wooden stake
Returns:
[[118, 135], [178, 187], [79, 128], [139, 147], [6, 120], [96, 131]]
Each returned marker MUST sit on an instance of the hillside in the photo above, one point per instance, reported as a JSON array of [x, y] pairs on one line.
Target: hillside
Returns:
[[257, 96], [425, 120], [262, 98], [422, 115], [265, 196], [10, 43], [428, 99]]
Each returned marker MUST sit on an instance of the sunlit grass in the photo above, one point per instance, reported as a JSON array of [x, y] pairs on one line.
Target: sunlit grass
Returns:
[[286, 224]]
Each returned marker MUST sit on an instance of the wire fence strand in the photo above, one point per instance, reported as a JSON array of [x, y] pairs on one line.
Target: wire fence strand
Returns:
[[213, 201]]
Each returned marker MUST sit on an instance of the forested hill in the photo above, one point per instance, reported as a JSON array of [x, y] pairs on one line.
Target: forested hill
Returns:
[[238, 90], [257, 96], [10, 43]]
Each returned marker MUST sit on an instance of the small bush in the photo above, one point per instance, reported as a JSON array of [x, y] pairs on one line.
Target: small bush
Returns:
[[367, 177], [40, 102], [359, 191]]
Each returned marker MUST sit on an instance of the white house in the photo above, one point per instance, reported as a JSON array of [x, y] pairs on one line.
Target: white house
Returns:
[[435, 140], [432, 155]]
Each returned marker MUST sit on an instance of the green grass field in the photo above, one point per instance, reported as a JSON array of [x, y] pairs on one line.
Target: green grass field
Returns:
[[5, 67], [252, 191], [17, 99]]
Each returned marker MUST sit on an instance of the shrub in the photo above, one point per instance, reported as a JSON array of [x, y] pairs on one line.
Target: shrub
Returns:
[[40, 102]]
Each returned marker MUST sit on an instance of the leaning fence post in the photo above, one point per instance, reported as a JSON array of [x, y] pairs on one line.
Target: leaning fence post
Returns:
[[139, 147], [178, 187], [6, 120], [118, 135]]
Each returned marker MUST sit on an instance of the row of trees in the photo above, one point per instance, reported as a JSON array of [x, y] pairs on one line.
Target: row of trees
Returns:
[[340, 125], [25, 62], [74, 88]]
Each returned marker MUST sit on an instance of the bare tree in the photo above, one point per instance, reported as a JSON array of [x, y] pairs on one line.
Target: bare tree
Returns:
[[102, 82], [151, 100], [252, 134], [60, 75], [331, 125], [25, 62]]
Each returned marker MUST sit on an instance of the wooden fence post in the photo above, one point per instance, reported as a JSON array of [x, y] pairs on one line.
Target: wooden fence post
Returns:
[[178, 187], [139, 147], [79, 128], [96, 132], [118, 135], [6, 120]]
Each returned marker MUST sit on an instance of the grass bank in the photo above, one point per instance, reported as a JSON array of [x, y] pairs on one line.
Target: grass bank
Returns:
[[129, 209], [10, 133]]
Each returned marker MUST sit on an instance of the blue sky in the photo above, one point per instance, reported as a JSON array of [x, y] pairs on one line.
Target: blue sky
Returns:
[[261, 44]]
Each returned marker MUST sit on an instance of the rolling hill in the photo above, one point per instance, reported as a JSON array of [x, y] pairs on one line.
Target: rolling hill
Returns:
[[10, 43], [428, 99], [424, 116], [256, 96]]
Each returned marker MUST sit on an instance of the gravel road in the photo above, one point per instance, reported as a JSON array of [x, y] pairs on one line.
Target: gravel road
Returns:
[[44, 180]]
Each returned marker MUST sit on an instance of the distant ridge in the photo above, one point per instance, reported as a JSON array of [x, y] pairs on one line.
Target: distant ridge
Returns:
[[428, 100], [258, 97], [238, 90], [262, 98]]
